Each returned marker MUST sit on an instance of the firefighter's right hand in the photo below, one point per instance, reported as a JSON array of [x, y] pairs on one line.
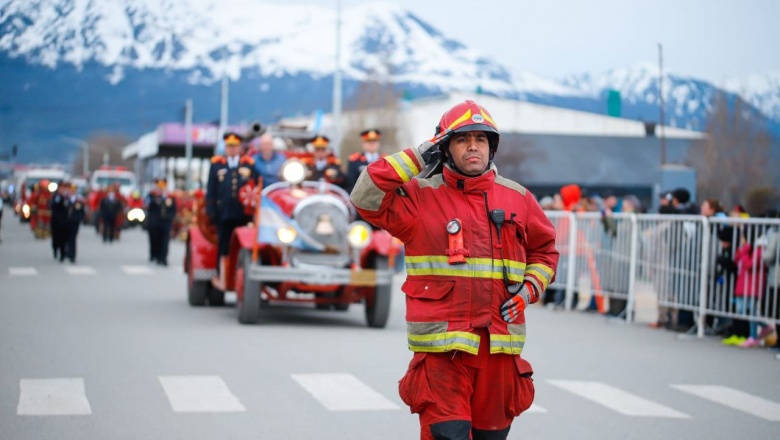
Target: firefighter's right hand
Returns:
[[515, 306], [428, 148]]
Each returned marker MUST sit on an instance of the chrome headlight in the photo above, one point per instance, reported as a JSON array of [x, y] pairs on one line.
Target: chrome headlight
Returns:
[[293, 171], [136, 214], [359, 234], [286, 234], [52, 186], [26, 210]]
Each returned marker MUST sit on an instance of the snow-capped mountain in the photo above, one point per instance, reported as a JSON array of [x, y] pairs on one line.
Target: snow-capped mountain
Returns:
[[80, 65], [760, 90]]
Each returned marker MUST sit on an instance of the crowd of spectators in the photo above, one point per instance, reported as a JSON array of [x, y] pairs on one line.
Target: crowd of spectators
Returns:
[[745, 261]]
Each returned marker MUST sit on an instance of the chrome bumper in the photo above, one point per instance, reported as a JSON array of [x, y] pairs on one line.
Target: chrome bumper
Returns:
[[320, 276]]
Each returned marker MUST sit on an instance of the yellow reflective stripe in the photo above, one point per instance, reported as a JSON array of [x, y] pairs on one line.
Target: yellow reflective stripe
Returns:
[[509, 344], [487, 116], [464, 117], [542, 272], [409, 163], [441, 342], [474, 267], [405, 177]]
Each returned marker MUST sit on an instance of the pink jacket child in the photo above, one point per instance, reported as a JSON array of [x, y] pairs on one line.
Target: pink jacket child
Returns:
[[751, 273]]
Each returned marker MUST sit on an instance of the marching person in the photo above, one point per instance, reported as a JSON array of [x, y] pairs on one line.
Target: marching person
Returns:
[[323, 165], [360, 160], [60, 203], [160, 212], [228, 173], [110, 209], [478, 250], [76, 213]]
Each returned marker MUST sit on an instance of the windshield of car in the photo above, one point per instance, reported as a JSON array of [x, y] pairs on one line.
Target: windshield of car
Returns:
[[110, 180]]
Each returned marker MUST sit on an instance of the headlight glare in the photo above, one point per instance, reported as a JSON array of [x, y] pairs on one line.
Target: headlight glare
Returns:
[[286, 234], [293, 171], [359, 235], [136, 214], [52, 186]]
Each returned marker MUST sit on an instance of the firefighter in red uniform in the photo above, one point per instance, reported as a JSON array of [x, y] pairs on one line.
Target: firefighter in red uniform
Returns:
[[478, 250], [323, 165], [43, 211]]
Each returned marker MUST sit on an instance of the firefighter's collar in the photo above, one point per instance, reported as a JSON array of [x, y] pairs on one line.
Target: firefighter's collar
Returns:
[[483, 182]]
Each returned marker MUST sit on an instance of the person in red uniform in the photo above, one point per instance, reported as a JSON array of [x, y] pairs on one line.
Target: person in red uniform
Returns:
[[323, 165], [478, 250]]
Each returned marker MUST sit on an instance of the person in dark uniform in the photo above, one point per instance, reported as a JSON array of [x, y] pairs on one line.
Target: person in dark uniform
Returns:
[[59, 204], [359, 161], [110, 208], [160, 212], [323, 164], [228, 173], [76, 214]]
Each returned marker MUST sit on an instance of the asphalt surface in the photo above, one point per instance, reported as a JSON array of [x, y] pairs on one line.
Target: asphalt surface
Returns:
[[109, 348]]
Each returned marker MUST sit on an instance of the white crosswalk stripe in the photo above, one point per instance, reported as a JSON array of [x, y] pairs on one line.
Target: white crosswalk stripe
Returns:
[[199, 394], [617, 399], [52, 397], [740, 401], [343, 392], [22, 271], [80, 270], [535, 409], [137, 270]]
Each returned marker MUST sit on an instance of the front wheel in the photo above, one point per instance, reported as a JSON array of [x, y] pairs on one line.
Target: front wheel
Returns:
[[248, 291], [196, 289], [378, 310]]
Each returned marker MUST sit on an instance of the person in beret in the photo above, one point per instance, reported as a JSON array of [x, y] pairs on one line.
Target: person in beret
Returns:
[[323, 165], [228, 173], [359, 161]]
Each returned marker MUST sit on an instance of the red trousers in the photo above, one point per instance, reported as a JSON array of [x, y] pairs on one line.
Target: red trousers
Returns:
[[487, 390]]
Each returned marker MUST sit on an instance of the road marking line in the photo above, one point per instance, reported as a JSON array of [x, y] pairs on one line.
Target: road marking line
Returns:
[[617, 399], [343, 392], [137, 270], [52, 397], [536, 409], [80, 270], [199, 394], [22, 271], [754, 405]]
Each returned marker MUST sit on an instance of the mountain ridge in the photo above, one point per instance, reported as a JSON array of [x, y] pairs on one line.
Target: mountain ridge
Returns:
[[191, 45]]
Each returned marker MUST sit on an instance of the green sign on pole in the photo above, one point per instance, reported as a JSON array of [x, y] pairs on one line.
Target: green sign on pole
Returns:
[[613, 103]]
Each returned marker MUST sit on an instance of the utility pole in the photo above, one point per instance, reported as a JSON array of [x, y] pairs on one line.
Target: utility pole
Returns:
[[661, 101], [337, 83], [223, 113], [188, 143], [84, 151]]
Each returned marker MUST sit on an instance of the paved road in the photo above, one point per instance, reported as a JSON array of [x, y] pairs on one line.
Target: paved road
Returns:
[[109, 348]]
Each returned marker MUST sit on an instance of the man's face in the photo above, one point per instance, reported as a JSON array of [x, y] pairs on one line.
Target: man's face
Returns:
[[320, 153], [470, 151], [232, 150], [371, 146], [266, 145]]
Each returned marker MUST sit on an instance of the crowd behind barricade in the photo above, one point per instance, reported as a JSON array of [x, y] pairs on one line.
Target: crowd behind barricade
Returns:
[[711, 270]]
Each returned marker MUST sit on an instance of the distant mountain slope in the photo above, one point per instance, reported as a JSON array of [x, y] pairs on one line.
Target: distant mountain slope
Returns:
[[71, 67]]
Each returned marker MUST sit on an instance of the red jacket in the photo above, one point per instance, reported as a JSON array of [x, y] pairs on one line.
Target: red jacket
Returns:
[[446, 303]]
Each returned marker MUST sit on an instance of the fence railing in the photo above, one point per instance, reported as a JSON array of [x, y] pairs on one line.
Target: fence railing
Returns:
[[648, 265]]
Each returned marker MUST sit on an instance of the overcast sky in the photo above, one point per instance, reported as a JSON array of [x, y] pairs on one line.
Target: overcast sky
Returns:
[[711, 39]]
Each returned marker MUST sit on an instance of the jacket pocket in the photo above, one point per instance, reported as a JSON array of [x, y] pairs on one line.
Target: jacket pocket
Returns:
[[428, 300], [413, 387], [524, 391]]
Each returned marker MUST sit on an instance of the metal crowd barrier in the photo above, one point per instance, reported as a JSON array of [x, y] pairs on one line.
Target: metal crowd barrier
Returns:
[[653, 266]]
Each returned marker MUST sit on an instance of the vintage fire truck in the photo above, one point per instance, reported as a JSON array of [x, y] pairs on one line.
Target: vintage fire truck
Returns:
[[308, 248]]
